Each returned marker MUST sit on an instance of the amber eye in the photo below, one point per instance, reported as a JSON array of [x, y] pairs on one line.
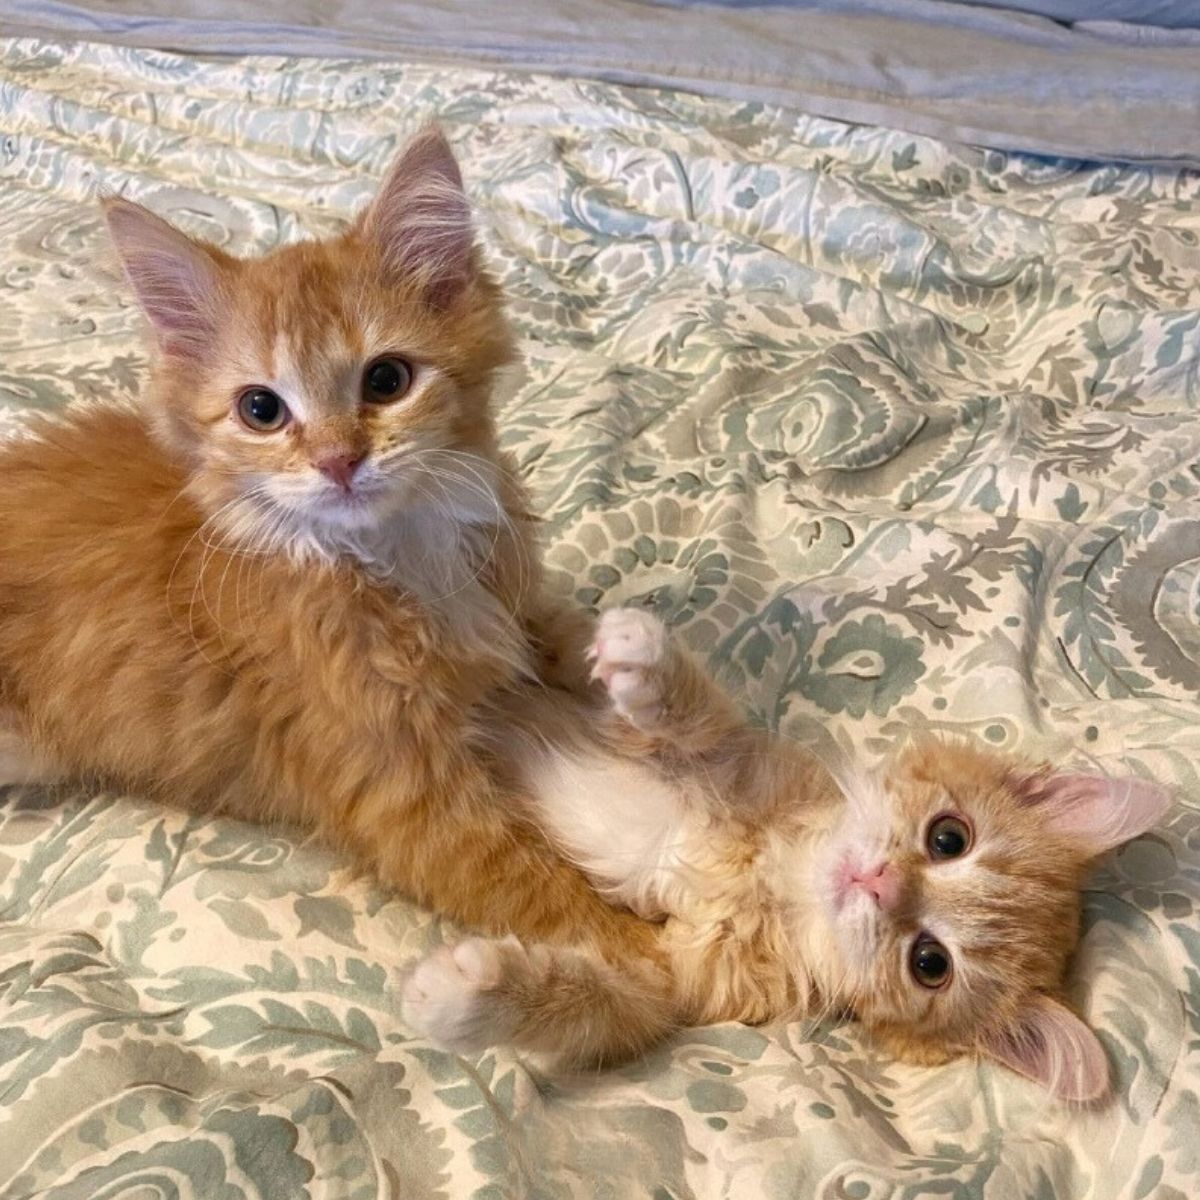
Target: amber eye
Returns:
[[948, 837], [261, 410], [929, 962], [386, 380]]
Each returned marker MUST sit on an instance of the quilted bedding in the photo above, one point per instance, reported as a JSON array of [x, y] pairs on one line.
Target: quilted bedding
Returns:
[[899, 435]]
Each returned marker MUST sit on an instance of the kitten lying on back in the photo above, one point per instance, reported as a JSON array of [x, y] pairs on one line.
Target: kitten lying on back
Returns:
[[939, 903], [295, 581]]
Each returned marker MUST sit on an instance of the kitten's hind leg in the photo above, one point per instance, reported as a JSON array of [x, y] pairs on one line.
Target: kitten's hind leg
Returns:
[[565, 1003], [658, 688]]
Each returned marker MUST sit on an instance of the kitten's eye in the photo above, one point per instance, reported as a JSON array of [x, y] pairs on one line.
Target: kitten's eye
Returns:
[[263, 411], [948, 837], [929, 962], [385, 380]]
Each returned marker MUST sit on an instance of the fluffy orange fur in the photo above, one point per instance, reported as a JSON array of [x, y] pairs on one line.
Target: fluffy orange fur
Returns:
[[189, 609], [787, 893]]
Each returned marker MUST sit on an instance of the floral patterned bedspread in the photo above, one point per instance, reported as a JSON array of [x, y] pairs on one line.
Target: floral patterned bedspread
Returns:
[[900, 435]]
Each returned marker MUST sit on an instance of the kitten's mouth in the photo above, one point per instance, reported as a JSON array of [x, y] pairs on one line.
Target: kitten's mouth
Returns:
[[357, 494], [359, 506], [350, 497], [853, 886], [842, 887]]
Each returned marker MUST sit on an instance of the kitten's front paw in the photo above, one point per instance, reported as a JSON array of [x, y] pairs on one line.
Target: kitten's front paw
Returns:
[[451, 996], [627, 652]]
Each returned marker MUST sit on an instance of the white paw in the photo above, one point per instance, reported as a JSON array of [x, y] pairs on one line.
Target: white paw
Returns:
[[629, 644], [450, 996]]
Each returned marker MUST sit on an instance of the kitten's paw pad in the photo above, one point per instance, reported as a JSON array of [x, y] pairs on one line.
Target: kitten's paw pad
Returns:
[[627, 637], [451, 997], [629, 644]]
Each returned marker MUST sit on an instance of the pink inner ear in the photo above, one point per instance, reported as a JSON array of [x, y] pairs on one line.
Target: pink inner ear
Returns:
[[1054, 1047], [421, 220], [1095, 811], [176, 280]]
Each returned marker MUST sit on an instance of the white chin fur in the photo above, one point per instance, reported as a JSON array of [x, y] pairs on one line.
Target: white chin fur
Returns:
[[377, 523], [429, 528]]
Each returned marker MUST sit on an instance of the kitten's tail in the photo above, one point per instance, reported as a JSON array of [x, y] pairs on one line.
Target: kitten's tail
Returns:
[[563, 1002]]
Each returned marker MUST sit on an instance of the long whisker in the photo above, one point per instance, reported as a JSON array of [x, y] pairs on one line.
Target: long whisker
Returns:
[[197, 534], [480, 486], [230, 533], [271, 542], [440, 479], [237, 546]]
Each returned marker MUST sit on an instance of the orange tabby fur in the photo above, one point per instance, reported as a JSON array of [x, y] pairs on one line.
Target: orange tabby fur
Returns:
[[756, 857]]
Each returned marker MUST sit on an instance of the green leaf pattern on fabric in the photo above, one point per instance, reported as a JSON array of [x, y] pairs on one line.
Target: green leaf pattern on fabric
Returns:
[[897, 435]]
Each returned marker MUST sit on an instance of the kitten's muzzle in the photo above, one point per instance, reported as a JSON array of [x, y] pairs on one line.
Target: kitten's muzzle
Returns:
[[339, 467], [884, 883]]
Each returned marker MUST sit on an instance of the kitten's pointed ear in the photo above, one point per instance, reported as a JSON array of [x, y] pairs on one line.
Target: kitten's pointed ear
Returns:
[[1093, 810], [1051, 1045], [420, 221], [177, 280]]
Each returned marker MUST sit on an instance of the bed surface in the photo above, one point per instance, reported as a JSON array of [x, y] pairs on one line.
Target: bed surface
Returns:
[[898, 435], [979, 73]]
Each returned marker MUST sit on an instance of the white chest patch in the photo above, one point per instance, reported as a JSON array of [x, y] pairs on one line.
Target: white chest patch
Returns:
[[435, 544]]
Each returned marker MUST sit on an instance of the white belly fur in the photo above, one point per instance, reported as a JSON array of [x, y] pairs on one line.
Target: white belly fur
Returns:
[[624, 824]]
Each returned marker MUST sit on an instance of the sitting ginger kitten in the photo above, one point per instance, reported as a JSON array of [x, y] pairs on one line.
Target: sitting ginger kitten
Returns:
[[296, 580]]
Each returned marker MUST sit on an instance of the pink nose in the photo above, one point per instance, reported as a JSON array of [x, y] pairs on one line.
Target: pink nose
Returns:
[[339, 467], [883, 882]]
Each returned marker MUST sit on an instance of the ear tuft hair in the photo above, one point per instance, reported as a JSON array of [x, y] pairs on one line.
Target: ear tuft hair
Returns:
[[177, 280], [1097, 812], [1051, 1045], [420, 221]]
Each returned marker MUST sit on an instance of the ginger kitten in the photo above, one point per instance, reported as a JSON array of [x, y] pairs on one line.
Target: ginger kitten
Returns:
[[294, 580], [938, 902]]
